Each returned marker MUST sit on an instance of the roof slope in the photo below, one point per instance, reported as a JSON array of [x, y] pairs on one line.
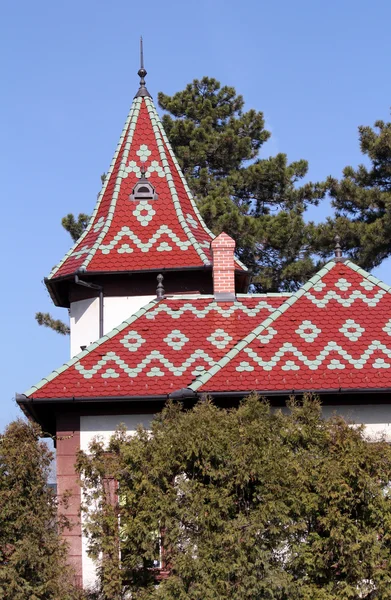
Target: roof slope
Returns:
[[160, 349], [125, 234], [335, 332]]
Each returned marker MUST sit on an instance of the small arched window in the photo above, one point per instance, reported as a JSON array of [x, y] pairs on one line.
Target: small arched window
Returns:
[[143, 190]]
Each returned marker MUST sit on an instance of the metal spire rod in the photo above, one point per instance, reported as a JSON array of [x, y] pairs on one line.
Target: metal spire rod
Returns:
[[142, 92], [141, 53]]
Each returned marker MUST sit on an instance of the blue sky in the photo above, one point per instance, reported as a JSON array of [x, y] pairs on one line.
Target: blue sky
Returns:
[[316, 69]]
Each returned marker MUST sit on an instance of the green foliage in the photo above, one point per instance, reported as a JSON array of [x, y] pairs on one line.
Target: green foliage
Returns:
[[362, 201], [256, 201], [48, 321], [32, 556], [244, 503], [75, 227]]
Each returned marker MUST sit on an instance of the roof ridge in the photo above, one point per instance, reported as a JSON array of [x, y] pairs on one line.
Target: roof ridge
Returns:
[[268, 294], [135, 111], [366, 275], [187, 189], [173, 191], [101, 193], [144, 309], [205, 377]]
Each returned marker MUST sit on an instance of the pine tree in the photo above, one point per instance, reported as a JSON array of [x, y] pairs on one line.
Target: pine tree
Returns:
[[57, 325], [241, 503], [362, 203], [75, 227], [32, 555], [257, 201]]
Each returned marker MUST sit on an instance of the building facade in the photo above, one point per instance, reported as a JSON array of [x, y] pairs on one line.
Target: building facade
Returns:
[[159, 308]]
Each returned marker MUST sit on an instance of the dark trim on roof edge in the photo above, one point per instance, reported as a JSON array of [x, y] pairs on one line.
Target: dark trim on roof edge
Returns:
[[51, 283], [87, 273], [185, 393], [23, 400]]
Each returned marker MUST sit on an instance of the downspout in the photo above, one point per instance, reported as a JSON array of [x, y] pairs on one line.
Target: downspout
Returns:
[[94, 286]]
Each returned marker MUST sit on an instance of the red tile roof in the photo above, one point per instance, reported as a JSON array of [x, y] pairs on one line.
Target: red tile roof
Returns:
[[160, 349], [125, 234], [335, 332]]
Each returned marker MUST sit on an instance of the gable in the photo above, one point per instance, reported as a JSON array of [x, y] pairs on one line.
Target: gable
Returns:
[[162, 348], [333, 334]]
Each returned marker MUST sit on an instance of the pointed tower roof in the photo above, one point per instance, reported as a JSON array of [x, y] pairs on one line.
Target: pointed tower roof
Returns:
[[145, 218]]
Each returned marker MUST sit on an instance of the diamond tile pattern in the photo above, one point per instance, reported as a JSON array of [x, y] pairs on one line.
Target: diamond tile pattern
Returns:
[[334, 333], [161, 349], [127, 234]]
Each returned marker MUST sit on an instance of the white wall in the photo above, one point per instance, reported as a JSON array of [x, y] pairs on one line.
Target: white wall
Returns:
[[84, 317], [103, 427], [375, 417]]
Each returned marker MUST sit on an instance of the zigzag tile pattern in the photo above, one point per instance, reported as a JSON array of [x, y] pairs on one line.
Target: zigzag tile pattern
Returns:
[[334, 334], [125, 234], [162, 350]]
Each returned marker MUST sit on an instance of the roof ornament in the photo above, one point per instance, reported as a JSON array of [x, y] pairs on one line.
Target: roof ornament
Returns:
[[160, 289], [142, 92], [337, 249], [143, 190]]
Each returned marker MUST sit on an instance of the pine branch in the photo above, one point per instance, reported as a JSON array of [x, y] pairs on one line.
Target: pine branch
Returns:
[[75, 227], [47, 320]]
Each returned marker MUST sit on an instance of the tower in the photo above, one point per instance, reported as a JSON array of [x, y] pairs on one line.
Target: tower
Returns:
[[145, 224]]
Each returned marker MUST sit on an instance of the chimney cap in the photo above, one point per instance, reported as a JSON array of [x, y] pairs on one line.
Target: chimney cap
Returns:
[[223, 240]]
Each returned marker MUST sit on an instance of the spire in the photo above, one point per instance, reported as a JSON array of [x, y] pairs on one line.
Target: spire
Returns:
[[142, 92], [337, 248]]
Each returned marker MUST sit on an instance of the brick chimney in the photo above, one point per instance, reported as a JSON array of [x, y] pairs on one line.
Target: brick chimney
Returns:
[[223, 248]]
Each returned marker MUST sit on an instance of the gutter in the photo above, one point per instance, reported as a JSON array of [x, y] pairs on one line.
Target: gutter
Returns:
[[187, 393], [23, 400], [51, 283]]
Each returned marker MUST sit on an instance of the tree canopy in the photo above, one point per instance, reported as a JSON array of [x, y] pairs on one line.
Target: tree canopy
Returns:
[[257, 201], [362, 202], [32, 555], [241, 503]]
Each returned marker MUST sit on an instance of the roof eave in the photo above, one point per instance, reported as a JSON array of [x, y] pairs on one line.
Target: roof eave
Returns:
[[24, 400], [187, 393], [61, 299]]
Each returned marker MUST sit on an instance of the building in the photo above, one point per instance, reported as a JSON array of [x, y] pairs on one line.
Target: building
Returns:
[[159, 308]]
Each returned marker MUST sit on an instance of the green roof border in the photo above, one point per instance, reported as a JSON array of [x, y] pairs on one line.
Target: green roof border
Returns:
[[100, 197], [159, 135], [186, 186], [141, 312], [205, 377], [135, 111]]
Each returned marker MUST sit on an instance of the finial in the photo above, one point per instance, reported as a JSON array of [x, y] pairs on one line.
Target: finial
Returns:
[[160, 289], [142, 92], [337, 249]]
